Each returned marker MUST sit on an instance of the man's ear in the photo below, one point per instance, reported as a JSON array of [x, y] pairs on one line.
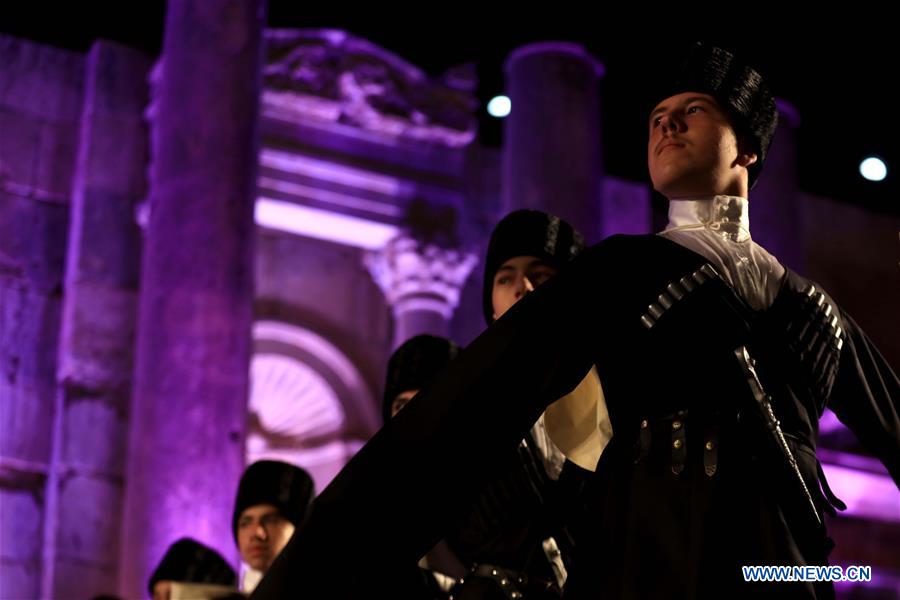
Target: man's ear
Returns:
[[745, 160], [746, 155]]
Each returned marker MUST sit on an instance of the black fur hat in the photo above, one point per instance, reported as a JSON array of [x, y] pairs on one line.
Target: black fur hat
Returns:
[[528, 233], [287, 487], [414, 365], [738, 88], [189, 560]]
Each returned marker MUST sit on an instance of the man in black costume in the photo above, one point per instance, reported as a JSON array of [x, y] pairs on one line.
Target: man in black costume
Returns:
[[413, 366], [272, 500], [191, 569], [515, 529], [716, 363]]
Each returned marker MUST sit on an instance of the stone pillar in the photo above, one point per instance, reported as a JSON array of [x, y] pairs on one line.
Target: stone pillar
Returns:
[[196, 301], [85, 490], [41, 92], [421, 283], [775, 209], [552, 140]]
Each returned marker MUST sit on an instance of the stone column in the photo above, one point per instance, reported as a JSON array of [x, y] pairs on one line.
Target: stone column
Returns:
[[196, 301], [552, 140], [421, 283], [85, 491], [41, 93]]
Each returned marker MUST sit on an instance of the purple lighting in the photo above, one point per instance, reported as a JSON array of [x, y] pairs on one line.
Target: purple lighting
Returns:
[[867, 495], [322, 225]]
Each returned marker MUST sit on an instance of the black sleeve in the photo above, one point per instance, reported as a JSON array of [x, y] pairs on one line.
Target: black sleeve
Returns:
[[866, 397], [395, 498]]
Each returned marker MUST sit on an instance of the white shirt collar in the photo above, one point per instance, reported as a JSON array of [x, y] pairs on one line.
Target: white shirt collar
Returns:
[[727, 216], [250, 580]]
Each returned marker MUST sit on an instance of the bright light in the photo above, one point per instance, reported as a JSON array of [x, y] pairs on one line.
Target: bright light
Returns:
[[873, 169], [323, 224], [499, 106]]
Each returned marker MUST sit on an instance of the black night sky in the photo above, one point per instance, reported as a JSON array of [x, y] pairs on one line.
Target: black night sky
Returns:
[[837, 76]]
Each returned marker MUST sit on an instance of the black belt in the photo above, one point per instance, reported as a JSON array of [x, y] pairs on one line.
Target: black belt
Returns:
[[671, 430]]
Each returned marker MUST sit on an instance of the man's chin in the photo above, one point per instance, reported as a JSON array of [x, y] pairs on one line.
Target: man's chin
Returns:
[[259, 564], [679, 191]]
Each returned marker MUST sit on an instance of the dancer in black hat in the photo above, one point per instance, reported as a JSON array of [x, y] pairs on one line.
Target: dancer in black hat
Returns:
[[716, 363], [194, 570], [272, 500]]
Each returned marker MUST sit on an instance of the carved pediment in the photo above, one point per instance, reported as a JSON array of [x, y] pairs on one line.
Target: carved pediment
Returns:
[[331, 75]]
